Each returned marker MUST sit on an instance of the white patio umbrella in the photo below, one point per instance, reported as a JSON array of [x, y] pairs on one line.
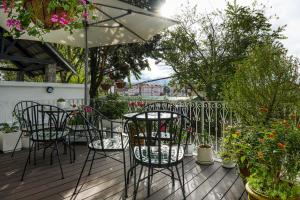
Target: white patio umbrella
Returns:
[[115, 23]]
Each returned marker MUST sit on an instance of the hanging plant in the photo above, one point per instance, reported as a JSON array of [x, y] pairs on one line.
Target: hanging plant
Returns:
[[38, 17], [105, 86], [120, 84]]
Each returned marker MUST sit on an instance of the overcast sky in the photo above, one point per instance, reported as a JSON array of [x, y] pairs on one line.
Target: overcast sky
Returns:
[[287, 10]]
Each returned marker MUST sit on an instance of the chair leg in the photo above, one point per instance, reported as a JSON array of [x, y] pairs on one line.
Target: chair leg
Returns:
[[125, 181], [91, 166], [57, 153], [149, 185], [87, 157], [172, 177], [180, 182], [27, 161], [13, 153], [34, 153], [137, 184]]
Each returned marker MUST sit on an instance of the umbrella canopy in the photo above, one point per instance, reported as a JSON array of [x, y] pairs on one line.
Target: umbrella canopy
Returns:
[[115, 22]]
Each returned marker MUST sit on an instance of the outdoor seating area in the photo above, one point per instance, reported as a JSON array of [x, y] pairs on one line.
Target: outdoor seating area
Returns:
[[140, 157]]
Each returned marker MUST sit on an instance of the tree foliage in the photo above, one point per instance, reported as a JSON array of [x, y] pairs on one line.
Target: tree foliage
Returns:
[[203, 48], [118, 62], [265, 83]]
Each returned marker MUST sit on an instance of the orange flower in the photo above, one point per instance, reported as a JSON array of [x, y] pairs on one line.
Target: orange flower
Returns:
[[298, 126], [272, 135], [281, 145], [260, 155], [263, 109], [261, 140]]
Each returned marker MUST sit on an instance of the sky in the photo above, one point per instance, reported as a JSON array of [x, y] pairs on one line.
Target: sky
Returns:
[[286, 10]]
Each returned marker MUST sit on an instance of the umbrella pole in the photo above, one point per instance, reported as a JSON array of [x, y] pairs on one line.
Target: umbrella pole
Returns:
[[86, 65]]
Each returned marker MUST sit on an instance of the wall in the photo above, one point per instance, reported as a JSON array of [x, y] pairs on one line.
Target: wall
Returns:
[[12, 92]]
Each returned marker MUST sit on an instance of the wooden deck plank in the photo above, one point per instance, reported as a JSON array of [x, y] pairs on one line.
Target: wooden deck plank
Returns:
[[106, 181]]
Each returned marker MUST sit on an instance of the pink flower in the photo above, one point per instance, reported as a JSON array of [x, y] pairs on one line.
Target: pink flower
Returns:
[[63, 21], [85, 15], [54, 18], [84, 2], [13, 23]]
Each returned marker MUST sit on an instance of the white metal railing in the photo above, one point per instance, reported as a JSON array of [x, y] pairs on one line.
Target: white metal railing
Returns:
[[209, 117]]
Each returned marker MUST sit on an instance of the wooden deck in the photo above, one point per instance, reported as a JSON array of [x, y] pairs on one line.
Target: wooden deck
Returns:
[[106, 181]]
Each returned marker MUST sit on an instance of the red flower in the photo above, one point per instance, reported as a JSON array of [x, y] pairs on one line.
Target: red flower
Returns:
[[88, 109], [281, 145]]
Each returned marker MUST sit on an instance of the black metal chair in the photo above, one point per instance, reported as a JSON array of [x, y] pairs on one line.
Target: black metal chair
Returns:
[[104, 139], [155, 147], [17, 113], [160, 106], [46, 126]]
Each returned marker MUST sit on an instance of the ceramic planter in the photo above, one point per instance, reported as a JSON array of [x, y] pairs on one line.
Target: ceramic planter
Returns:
[[229, 164], [8, 141], [254, 195], [189, 150], [61, 104], [205, 155]]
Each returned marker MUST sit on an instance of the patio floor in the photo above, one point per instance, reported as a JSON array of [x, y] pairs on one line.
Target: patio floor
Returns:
[[106, 181]]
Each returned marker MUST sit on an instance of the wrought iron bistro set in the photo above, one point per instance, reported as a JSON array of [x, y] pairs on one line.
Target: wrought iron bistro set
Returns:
[[154, 138]]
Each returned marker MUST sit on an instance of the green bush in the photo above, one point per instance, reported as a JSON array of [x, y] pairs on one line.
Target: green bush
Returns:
[[112, 106]]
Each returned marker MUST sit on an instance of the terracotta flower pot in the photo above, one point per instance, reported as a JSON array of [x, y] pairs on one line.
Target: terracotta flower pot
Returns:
[[41, 13]]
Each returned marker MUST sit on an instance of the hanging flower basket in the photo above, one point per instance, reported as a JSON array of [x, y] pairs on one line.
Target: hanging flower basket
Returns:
[[105, 86], [120, 84], [38, 17]]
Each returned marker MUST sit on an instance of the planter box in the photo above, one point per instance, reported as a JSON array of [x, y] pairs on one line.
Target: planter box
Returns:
[[205, 156], [25, 142], [8, 141]]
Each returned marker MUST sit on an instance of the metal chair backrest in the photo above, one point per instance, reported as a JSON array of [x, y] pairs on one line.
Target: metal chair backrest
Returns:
[[18, 111], [99, 127], [45, 122], [160, 106], [158, 137]]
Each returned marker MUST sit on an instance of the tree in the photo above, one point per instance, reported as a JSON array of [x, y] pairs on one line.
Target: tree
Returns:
[[75, 56], [264, 84], [118, 62], [203, 48]]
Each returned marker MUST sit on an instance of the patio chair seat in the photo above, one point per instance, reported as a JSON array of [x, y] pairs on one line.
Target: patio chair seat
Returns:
[[45, 136], [154, 158], [109, 144]]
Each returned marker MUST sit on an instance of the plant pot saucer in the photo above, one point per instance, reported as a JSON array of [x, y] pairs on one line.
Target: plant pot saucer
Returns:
[[209, 162]]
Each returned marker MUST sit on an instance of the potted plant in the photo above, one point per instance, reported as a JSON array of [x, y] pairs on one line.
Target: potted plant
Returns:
[[9, 135], [275, 162], [45, 15], [205, 150], [61, 103], [227, 153]]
